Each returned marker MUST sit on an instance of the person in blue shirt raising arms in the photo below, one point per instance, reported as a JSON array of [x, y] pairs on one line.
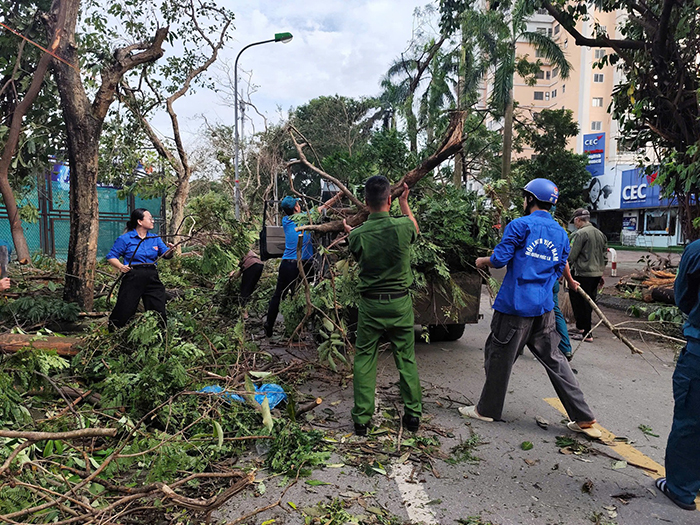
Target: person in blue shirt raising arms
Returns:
[[535, 249], [288, 270], [140, 280]]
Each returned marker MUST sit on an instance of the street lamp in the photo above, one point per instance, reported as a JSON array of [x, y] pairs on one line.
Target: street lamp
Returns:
[[279, 37]]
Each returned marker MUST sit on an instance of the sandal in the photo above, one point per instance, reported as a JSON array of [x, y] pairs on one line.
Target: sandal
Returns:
[[470, 411], [579, 337], [591, 432], [663, 487]]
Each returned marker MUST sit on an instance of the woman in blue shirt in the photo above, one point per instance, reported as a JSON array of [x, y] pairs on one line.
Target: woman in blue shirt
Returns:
[[139, 252], [289, 271]]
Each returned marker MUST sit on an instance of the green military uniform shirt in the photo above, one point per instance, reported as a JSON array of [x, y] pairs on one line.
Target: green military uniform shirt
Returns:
[[381, 246]]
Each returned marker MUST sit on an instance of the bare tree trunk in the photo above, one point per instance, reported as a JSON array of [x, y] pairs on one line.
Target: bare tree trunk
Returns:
[[84, 122], [457, 176], [411, 124], [8, 196], [507, 137], [177, 206]]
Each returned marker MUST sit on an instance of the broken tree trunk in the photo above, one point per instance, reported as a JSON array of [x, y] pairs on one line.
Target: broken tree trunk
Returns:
[[451, 144], [64, 346]]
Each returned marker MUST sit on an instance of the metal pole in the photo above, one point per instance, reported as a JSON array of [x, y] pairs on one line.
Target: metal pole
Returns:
[[277, 217], [237, 195]]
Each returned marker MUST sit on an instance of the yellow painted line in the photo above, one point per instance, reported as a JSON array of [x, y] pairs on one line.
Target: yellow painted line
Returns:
[[627, 451]]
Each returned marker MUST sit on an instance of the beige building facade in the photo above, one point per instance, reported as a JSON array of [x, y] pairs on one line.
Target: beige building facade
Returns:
[[623, 201]]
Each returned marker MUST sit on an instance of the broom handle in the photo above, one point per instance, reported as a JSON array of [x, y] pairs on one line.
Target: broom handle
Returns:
[[607, 323]]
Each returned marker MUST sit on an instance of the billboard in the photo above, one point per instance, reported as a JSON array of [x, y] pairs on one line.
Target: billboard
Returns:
[[594, 147], [639, 190]]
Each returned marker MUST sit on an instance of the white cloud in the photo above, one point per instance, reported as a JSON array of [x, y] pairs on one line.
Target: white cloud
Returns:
[[340, 47]]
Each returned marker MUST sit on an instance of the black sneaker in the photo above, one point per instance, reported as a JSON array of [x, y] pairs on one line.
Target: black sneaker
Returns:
[[361, 429], [411, 423]]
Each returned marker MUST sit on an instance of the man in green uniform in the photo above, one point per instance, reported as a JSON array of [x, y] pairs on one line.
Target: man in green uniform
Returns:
[[381, 248]]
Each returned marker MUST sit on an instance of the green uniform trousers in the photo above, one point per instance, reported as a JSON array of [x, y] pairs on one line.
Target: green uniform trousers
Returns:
[[395, 318]]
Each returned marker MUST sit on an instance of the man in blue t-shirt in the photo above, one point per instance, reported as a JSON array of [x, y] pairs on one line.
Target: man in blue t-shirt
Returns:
[[535, 249], [289, 270], [682, 481]]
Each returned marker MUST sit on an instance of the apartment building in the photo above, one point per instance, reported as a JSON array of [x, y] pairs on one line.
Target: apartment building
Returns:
[[623, 201]]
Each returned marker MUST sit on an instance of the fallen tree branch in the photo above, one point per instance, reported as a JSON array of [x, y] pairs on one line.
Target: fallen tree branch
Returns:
[[75, 434], [309, 406], [655, 334], [611, 327], [451, 144], [303, 160]]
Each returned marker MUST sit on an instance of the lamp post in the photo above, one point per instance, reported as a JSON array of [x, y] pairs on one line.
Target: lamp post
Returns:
[[279, 37]]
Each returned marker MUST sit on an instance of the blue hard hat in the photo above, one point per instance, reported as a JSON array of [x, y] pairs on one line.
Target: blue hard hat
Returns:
[[543, 190], [288, 203]]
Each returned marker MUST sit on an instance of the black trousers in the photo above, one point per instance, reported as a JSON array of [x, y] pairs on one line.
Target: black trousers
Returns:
[[249, 280], [141, 282], [287, 280], [582, 310]]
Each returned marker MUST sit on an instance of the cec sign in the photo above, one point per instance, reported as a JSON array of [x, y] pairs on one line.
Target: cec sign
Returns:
[[594, 147], [638, 190]]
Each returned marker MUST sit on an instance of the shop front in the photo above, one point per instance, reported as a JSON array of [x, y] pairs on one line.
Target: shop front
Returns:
[[627, 206]]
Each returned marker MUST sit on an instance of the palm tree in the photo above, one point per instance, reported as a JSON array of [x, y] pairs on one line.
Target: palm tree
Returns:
[[498, 30]]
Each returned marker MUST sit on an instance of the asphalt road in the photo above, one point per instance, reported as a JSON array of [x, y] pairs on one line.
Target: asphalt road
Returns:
[[508, 485]]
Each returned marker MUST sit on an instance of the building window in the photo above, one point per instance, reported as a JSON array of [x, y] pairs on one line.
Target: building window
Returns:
[[546, 95], [556, 29], [597, 102], [563, 88], [599, 53], [554, 93], [539, 95], [542, 11], [598, 78], [539, 75], [657, 222], [548, 75], [566, 43], [596, 125], [555, 72], [542, 30], [538, 53]]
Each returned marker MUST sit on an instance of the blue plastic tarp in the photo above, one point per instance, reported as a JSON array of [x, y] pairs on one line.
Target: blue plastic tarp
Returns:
[[274, 393]]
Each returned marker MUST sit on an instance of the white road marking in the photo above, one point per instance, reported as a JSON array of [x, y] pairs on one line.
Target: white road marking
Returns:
[[414, 498]]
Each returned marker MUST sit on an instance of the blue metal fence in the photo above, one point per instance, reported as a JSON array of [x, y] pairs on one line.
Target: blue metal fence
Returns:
[[49, 235]]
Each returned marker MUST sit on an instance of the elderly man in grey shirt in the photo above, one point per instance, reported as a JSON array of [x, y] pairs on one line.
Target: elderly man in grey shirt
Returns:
[[588, 257]]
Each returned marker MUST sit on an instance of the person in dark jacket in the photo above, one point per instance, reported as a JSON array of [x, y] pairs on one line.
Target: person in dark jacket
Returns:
[[682, 481], [535, 249], [139, 253], [588, 257], [250, 269]]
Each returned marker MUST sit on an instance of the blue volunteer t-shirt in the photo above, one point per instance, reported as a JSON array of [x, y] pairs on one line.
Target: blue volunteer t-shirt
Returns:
[[291, 237], [148, 251], [687, 291], [535, 249]]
